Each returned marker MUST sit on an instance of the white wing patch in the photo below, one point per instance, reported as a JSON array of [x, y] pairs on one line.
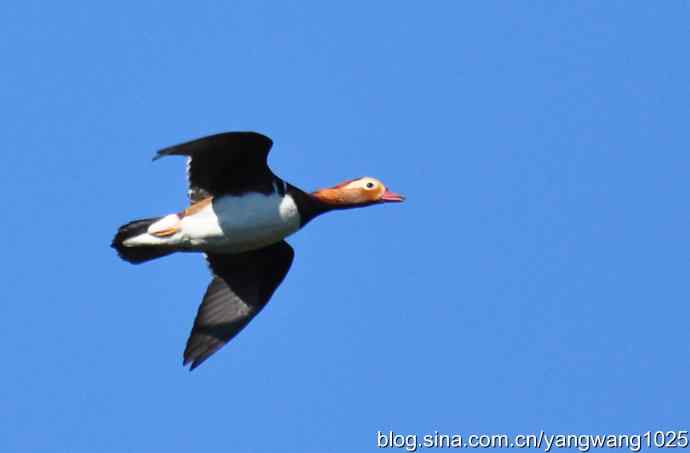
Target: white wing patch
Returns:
[[188, 167]]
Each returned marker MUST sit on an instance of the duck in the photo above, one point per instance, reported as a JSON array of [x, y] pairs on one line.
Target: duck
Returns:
[[238, 216]]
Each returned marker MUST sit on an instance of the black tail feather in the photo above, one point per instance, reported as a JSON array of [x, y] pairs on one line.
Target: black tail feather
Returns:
[[138, 254]]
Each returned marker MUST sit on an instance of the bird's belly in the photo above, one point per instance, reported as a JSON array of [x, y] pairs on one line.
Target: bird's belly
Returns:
[[234, 224]]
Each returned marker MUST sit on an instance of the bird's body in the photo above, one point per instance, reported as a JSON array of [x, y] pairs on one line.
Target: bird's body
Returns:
[[226, 224], [239, 216]]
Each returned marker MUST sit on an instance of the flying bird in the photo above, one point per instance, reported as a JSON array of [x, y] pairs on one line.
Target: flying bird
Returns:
[[239, 215]]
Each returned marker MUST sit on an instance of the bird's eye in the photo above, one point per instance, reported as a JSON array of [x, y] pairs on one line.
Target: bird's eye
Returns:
[[370, 185]]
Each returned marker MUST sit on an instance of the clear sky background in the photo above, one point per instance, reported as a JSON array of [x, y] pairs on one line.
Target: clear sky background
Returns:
[[537, 277]]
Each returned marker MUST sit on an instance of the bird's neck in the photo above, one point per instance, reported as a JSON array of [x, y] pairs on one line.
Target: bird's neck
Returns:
[[310, 206]]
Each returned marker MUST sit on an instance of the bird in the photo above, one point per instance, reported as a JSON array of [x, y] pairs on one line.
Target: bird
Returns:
[[239, 215]]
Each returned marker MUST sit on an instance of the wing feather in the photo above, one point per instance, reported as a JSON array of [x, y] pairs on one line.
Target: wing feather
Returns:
[[227, 163], [242, 285]]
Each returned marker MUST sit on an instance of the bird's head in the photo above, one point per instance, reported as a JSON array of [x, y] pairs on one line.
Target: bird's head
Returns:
[[357, 192]]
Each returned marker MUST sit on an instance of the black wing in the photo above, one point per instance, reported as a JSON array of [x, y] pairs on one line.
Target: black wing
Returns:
[[241, 287], [232, 162]]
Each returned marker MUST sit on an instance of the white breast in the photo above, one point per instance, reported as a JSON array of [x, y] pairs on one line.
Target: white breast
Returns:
[[233, 224]]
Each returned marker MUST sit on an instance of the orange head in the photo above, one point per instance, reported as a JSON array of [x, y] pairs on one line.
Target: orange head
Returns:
[[357, 192]]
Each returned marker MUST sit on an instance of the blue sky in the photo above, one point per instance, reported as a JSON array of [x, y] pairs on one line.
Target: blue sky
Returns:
[[537, 277]]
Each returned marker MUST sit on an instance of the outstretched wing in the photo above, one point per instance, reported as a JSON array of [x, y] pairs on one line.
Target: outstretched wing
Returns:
[[242, 285], [227, 163]]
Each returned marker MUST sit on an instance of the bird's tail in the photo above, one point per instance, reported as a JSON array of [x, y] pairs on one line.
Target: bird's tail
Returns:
[[138, 251]]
